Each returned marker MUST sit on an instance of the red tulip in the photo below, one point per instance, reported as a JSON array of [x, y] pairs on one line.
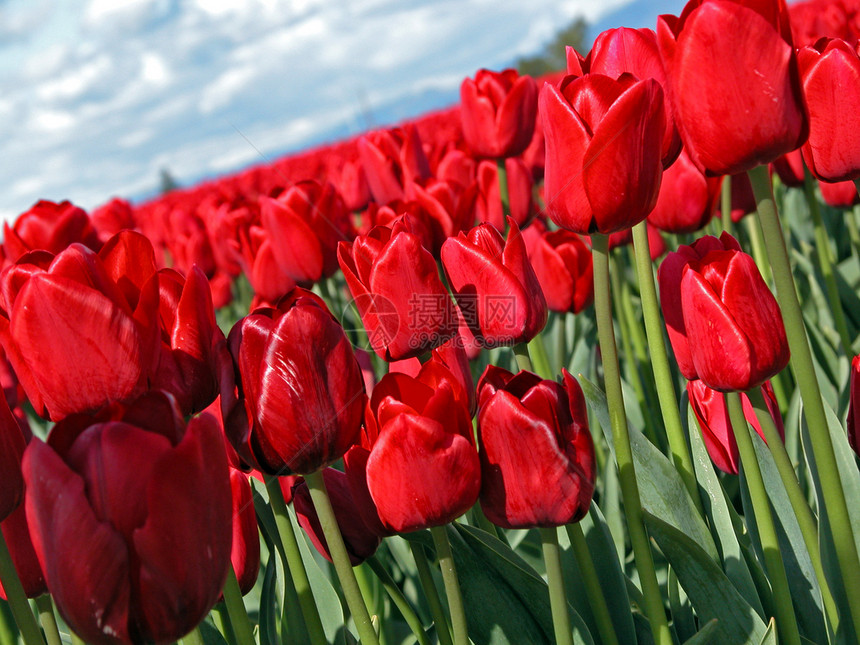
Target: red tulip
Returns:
[[498, 110], [603, 142], [395, 285], [562, 264], [519, 183], [143, 501], [112, 217], [12, 445], [49, 227], [537, 456], [830, 72], [724, 323], [854, 407], [245, 549], [732, 79], [710, 408], [496, 288], [688, 198], [393, 160], [842, 194], [17, 536], [300, 386]]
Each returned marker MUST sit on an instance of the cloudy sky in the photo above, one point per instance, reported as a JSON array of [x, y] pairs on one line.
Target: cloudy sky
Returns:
[[97, 96]]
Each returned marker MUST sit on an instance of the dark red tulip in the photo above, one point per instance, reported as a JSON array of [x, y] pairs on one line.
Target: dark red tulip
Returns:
[[48, 226], [396, 287], [710, 408], [537, 456], [361, 541], [245, 549], [12, 445], [603, 151], [743, 198], [830, 73], [422, 469], [17, 536], [790, 168], [519, 183], [688, 198], [300, 385], [854, 406], [498, 110], [732, 79], [724, 323], [143, 500], [563, 266], [496, 288]]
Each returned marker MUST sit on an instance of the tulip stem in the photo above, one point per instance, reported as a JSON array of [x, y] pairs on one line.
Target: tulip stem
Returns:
[[399, 600], [16, 597], [759, 250], [726, 203], [853, 229], [194, 637], [452, 585], [537, 353], [236, 610], [653, 602], [310, 612], [524, 361], [802, 512], [681, 456], [786, 621], [596, 599], [48, 619], [555, 581], [803, 368], [503, 188], [443, 630], [340, 558], [825, 264]]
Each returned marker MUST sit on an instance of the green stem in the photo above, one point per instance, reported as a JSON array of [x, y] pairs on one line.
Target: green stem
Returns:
[[221, 620], [194, 637], [596, 599], [681, 456], [452, 585], [504, 195], [555, 581], [805, 519], [399, 600], [443, 629], [803, 368], [524, 361], [48, 619], [853, 230], [16, 597], [785, 619], [340, 558], [8, 633], [537, 354], [759, 249], [726, 203], [653, 602], [239, 620], [310, 612], [825, 265]]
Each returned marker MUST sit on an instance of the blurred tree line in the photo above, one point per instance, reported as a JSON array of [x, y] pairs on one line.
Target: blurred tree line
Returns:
[[552, 58]]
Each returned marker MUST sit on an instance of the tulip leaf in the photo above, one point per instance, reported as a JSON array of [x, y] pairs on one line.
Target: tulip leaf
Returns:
[[210, 633], [720, 515], [710, 633], [850, 477], [769, 637], [683, 621], [709, 590], [661, 490]]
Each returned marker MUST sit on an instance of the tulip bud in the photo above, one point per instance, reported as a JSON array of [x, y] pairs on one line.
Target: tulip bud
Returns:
[[563, 266], [688, 198], [49, 227], [537, 455], [519, 182], [854, 406], [245, 549]]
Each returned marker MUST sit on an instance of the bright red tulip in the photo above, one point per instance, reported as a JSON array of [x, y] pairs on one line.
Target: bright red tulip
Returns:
[[396, 287], [688, 198], [496, 288], [48, 227], [393, 160], [112, 217], [710, 408], [498, 111], [519, 182], [724, 323], [537, 455], [301, 388], [842, 194], [603, 151], [732, 79], [563, 266], [830, 72], [143, 501]]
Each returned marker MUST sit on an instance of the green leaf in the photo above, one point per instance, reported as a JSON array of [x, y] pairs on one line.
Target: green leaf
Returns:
[[769, 637], [683, 621], [707, 635], [709, 590]]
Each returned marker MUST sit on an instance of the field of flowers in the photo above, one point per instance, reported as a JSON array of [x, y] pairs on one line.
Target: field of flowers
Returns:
[[573, 361]]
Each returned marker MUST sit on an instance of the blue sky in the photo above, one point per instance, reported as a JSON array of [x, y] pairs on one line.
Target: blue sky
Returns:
[[96, 96]]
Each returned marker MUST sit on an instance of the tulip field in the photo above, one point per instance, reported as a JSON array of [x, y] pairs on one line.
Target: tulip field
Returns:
[[573, 361]]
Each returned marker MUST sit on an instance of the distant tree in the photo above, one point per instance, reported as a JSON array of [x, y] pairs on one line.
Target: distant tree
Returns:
[[552, 58], [166, 181]]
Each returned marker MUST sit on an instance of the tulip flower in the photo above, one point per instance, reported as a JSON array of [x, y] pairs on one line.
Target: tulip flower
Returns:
[[731, 75], [496, 288], [709, 407], [393, 160], [537, 455], [245, 549], [12, 445], [562, 264], [854, 406], [17, 536], [360, 540], [422, 468], [49, 227], [112, 217], [723, 322], [301, 392], [603, 151], [498, 111], [141, 500], [687, 200], [489, 204], [830, 73], [396, 287], [842, 194]]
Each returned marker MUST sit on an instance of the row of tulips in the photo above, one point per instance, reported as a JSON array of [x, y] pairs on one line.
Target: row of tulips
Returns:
[[354, 341]]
